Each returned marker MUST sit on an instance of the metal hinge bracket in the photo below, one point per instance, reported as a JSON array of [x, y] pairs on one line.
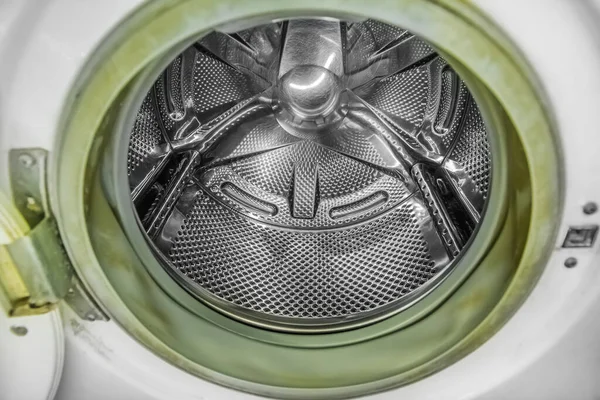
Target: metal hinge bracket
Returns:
[[35, 271]]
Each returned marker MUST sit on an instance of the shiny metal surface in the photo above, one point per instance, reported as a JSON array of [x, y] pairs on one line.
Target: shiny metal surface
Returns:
[[309, 172]]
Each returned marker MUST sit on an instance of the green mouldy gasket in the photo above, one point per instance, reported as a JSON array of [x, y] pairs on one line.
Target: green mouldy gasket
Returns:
[[98, 226]]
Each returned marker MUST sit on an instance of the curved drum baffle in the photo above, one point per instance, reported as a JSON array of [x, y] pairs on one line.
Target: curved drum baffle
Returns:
[[309, 170]]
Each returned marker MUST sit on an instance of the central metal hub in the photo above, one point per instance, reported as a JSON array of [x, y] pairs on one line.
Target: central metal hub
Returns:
[[310, 92]]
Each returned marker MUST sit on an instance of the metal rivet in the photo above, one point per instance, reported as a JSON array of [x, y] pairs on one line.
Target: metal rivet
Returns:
[[590, 208], [26, 160], [19, 330], [570, 262]]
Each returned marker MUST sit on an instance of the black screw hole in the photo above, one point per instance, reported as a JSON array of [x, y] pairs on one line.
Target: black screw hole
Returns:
[[19, 330], [590, 208], [570, 262]]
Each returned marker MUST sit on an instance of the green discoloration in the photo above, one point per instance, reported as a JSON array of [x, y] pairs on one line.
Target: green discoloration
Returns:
[[201, 341], [34, 271]]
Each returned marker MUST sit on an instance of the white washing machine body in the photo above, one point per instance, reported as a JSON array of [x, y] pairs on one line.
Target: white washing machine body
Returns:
[[547, 350]]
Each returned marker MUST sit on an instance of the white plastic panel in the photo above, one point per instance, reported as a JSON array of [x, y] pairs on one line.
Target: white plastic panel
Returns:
[[31, 356]]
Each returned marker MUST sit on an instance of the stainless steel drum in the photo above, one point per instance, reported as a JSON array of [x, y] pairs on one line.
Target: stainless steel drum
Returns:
[[309, 173]]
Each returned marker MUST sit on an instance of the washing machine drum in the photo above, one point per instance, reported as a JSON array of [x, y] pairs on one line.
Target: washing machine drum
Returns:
[[310, 173]]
